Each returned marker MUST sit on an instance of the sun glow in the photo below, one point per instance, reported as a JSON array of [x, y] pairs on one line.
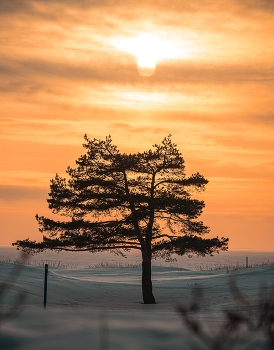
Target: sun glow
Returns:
[[148, 49]]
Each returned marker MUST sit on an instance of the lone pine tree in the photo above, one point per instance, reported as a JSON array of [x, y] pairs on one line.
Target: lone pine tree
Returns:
[[117, 202]]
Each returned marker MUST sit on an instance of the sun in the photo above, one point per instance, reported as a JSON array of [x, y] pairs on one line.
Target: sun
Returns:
[[147, 50], [146, 66], [147, 54]]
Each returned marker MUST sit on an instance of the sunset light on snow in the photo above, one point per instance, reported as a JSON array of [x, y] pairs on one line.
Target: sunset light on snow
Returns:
[[139, 71]]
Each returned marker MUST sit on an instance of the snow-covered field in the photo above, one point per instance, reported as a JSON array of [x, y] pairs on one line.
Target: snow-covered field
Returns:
[[101, 308]]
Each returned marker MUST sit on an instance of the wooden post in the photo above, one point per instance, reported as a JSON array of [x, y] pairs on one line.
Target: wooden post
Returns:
[[46, 284], [246, 262]]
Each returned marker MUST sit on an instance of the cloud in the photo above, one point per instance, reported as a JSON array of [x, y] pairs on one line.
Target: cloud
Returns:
[[108, 71], [19, 193], [193, 6], [33, 75], [258, 5], [16, 6]]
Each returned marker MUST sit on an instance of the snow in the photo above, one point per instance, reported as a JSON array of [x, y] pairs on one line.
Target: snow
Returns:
[[101, 308]]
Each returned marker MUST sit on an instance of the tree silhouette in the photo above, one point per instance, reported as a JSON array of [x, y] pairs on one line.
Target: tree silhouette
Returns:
[[117, 202]]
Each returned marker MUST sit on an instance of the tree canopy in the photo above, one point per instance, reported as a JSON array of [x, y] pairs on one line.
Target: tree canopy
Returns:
[[116, 201]]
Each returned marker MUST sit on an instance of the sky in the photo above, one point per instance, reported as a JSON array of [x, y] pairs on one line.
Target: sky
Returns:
[[69, 68]]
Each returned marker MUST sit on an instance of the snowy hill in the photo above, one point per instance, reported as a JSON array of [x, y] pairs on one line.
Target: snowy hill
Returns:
[[101, 308]]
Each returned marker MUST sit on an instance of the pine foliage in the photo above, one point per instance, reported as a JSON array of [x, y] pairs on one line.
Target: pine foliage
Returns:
[[116, 201]]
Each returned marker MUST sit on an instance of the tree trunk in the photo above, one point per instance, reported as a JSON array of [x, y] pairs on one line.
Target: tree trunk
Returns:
[[148, 296]]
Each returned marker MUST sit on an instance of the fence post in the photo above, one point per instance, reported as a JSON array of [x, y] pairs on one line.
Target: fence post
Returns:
[[46, 284], [246, 262]]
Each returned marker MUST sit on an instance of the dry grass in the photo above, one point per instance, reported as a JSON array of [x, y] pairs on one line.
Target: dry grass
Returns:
[[232, 267], [59, 264]]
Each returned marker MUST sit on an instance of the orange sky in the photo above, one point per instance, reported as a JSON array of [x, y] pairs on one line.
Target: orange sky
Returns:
[[69, 67]]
